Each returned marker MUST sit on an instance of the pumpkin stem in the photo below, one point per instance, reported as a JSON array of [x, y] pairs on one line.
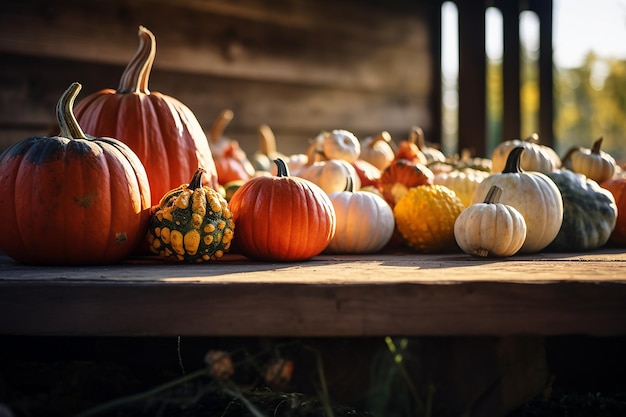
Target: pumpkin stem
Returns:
[[267, 140], [534, 138], [595, 149], [219, 125], [283, 170], [493, 195], [416, 136], [349, 184], [65, 114], [383, 136], [196, 180], [512, 165], [137, 73]]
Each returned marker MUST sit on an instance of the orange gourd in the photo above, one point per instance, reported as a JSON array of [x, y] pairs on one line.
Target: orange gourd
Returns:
[[281, 218], [162, 131], [72, 199]]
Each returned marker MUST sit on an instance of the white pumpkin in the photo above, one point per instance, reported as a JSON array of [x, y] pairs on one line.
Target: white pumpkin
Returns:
[[538, 157], [330, 175]]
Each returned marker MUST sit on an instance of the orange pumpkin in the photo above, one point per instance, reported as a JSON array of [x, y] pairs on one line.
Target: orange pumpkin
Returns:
[[72, 199], [281, 218], [401, 175], [162, 131], [617, 187]]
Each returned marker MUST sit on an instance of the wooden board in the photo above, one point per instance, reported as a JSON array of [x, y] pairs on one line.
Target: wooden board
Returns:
[[330, 295]]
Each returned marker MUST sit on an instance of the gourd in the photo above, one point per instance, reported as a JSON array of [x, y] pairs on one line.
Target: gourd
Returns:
[[72, 199], [377, 150], [192, 223], [617, 187], [589, 213], [594, 163], [425, 218], [282, 218], [462, 181], [537, 157], [330, 175], [336, 144], [365, 222], [401, 175], [490, 229], [533, 194], [162, 131]]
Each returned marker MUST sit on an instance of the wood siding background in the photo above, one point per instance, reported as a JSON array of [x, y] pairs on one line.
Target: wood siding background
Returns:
[[299, 66]]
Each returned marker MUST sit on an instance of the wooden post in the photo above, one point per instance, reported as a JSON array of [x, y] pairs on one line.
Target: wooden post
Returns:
[[472, 77], [543, 8], [511, 115]]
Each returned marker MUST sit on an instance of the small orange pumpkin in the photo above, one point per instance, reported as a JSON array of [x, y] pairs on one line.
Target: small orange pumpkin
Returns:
[[401, 175], [281, 218], [617, 187]]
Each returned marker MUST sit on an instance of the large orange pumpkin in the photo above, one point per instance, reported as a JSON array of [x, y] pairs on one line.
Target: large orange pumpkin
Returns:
[[72, 199], [617, 186], [162, 131], [281, 218]]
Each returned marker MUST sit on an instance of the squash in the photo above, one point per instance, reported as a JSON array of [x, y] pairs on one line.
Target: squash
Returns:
[[490, 229], [533, 194], [401, 175], [330, 175], [192, 223], [425, 218], [353, 234], [617, 187], [282, 218], [537, 157], [589, 213], [72, 199], [336, 144], [462, 181], [594, 163], [162, 131], [408, 150], [377, 150]]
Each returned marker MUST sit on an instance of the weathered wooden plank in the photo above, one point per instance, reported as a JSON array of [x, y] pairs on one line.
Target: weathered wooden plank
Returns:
[[386, 294]]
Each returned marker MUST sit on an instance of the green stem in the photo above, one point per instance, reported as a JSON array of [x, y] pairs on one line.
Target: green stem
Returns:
[[65, 114], [512, 165], [283, 171]]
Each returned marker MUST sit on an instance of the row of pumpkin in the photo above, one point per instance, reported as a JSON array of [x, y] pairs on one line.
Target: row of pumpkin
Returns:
[[79, 198]]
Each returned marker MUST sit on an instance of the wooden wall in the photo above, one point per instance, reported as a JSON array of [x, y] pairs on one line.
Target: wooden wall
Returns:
[[300, 66]]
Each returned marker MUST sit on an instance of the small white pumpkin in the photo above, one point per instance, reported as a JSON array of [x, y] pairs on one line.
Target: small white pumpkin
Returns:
[[365, 222], [377, 150], [490, 229], [330, 175], [533, 194], [337, 144], [593, 163], [463, 182], [537, 157]]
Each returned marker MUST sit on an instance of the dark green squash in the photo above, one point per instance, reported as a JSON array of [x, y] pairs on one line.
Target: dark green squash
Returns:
[[192, 223], [589, 213]]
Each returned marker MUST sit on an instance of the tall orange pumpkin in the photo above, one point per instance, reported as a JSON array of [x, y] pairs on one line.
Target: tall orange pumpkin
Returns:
[[72, 199], [282, 218], [162, 131]]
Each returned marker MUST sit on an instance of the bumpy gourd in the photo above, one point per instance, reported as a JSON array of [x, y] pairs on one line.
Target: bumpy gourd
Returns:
[[193, 223], [589, 213], [425, 218], [490, 229]]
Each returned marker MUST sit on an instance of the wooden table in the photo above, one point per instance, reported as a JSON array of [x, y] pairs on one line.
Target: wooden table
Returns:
[[330, 295]]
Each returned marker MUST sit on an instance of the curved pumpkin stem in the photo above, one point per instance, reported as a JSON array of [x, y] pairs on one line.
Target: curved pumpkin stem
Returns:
[[65, 114], [283, 170], [383, 136], [512, 165], [267, 140], [196, 180], [493, 195], [137, 73], [595, 148], [219, 125], [416, 136], [534, 138]]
